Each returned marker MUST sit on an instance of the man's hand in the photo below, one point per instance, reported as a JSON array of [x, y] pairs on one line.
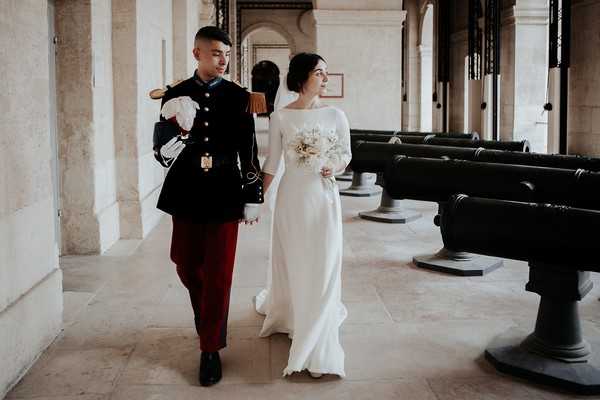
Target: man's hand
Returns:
[[251, 213], [171, 149]]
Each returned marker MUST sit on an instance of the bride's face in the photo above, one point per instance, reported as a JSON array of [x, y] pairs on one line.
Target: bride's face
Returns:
[[316, 84]]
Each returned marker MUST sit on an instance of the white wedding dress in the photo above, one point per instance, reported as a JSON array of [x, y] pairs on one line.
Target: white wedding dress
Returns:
[[303, 293]]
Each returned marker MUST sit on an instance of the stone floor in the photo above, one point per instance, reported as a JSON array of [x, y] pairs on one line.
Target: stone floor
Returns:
[[410, 334]]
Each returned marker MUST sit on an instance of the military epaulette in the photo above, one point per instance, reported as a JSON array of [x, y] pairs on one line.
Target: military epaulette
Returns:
[[257, 103], [157, 94]]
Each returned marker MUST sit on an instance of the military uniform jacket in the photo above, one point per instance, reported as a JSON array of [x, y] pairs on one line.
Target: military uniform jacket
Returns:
[[223, 130]]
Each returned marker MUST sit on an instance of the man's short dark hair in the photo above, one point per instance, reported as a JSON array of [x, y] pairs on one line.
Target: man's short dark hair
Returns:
[[213, 33], [301, 66]]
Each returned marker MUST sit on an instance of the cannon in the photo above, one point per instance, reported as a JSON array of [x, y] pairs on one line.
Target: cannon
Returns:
[[455, 135], [539, 159], [437, 180], [522, 145], [560, 245], [370, 157], [363, 184]]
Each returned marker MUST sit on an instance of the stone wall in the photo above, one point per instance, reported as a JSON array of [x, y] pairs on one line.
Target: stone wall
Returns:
[[584, 80], [30, 280], [365, 46]]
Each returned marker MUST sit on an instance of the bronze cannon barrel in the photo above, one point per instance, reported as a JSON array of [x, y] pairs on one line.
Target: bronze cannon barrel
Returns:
[[522, 145], [522, 231], [374, 157], [437, 180]]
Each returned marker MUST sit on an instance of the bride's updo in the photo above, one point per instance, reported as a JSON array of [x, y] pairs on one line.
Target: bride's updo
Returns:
[[300, 67]]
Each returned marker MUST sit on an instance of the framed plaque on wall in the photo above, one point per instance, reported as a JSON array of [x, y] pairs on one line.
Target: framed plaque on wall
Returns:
[[335, 86]]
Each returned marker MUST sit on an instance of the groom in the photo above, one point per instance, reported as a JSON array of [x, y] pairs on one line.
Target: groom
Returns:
[[208, 194]]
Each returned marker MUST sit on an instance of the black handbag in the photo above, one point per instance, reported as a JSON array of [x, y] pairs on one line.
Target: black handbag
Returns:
[[163, 132]]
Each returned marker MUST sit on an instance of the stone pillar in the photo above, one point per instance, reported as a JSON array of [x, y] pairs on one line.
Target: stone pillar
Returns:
[[142, 52], [89, 222], [372, 82], [207, 13], [186, 22], [474, 106], [457, 93], [584, 84], [412, 104], [425, 110], [233, 61], [524, 67], [487, 118], [553, 141]]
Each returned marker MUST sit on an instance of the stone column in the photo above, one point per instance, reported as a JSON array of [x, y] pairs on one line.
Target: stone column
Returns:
[[524, 66], [583, 117], [186, 21], [412, 104], [474, 106], [233, 61], [425, 112], [364, 46], [89, 222], [142, 58], [207, 13], [487, 118], [457, 92]]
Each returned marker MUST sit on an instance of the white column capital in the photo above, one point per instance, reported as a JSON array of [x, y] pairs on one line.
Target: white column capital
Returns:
[[525, 15], [388, 18]]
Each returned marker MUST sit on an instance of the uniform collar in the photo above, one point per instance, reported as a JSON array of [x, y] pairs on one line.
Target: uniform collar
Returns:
[[207, 85]]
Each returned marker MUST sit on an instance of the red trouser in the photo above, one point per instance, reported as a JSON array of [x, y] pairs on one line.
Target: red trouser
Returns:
[[204, 255]]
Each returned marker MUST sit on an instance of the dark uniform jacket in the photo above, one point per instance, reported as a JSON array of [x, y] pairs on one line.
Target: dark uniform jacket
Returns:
[[223, 130]]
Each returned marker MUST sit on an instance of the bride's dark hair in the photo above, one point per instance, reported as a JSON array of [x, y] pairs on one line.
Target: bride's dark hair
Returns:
[[300, 67]]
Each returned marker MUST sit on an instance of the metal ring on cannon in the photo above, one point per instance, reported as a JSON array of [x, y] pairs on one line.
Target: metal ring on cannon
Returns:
[[560, 245]]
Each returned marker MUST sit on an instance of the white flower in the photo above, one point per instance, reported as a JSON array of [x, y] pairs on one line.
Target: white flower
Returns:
[[314, 148]]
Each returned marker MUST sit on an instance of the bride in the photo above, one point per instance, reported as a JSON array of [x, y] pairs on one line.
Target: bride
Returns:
[[303, 298]]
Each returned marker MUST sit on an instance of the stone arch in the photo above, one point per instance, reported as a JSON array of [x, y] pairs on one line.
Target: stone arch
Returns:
[[275, 27]]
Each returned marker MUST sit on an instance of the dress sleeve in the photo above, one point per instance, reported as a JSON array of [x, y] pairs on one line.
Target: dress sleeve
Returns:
[[343, 133], [275, 145]]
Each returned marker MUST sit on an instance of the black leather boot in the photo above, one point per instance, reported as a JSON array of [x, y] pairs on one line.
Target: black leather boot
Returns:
[[210, 368]]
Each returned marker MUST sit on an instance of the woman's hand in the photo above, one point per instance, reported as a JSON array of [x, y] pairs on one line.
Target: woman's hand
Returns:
[[326, 172]]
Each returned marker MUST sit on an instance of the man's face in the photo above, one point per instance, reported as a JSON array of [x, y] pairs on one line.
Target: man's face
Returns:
[[213, 57]]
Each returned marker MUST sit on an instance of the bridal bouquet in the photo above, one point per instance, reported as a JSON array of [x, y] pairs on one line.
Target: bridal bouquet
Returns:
[[315, 148]]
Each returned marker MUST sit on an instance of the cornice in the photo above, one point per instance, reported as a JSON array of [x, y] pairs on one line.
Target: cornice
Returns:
[[378, 18]]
